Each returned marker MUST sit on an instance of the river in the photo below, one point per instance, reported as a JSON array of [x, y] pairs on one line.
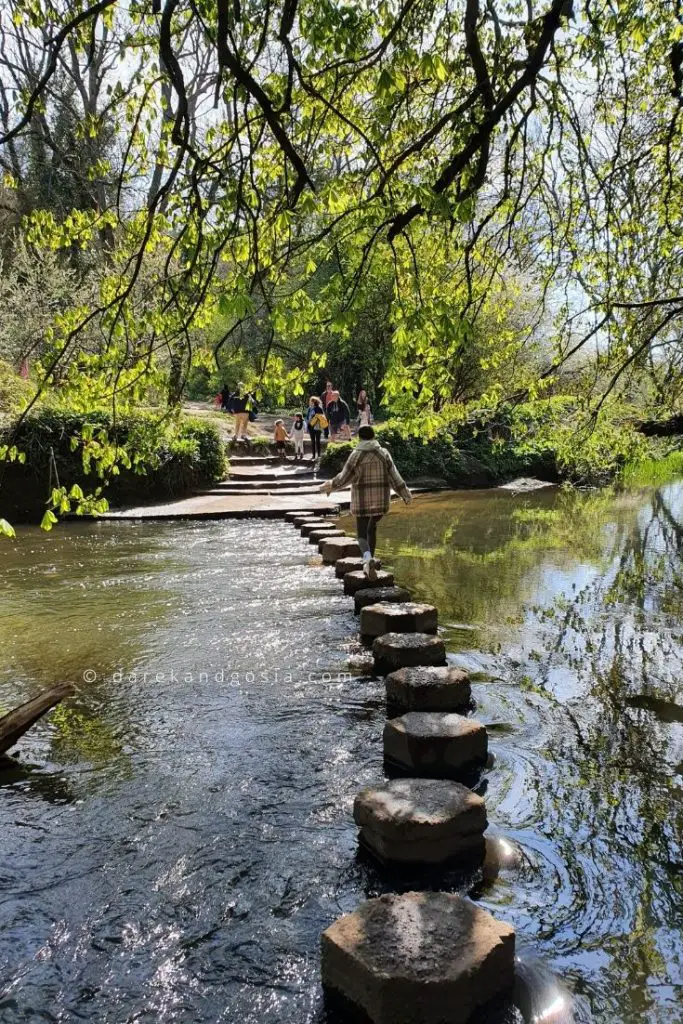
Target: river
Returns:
[[176, 837]]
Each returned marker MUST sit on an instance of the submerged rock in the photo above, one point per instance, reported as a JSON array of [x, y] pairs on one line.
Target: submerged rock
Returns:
[[419, 958]]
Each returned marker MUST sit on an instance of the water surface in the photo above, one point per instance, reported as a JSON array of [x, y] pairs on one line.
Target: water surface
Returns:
[[175, 839]]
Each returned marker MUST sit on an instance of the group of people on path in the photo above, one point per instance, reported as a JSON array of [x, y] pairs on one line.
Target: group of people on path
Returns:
[[326, 416]]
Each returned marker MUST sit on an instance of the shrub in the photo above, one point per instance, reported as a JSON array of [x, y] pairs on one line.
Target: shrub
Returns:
[[137, 458]]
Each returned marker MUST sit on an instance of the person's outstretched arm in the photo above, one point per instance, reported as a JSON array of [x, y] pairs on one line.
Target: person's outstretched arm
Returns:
[[343, 479], [397, 481]]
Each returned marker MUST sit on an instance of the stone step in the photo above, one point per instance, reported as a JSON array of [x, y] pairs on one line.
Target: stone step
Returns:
[[355, 581], [274, 477], [254, 460], [420, 821], [293, 487], [427, 957], [338, 547], [439, 745], [298, 513], [428, 689], [373, 595], [325, 533], [396, 617], [314, 524], [407, 650]]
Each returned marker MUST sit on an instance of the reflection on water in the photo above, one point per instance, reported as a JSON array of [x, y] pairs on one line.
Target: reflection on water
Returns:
[[175, 839]]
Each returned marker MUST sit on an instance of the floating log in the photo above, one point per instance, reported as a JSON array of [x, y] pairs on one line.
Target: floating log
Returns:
[[17, 722]]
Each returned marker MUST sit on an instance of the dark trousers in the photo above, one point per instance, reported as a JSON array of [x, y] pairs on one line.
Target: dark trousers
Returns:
[[366, 531], [315, 441]]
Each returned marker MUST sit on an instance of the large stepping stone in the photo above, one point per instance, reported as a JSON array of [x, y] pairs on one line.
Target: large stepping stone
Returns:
[[394, 617], [315, 524], [407, 650], [377, 595], [440, 745], [419, 958], [338, 547], [420, 821], [428, 689], [324, 533], [353, 564], [291, 517], [354, 581]]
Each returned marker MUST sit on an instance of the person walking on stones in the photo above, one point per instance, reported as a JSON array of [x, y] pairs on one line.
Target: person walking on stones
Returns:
[[316, 421], [339, 415], [298, 428], [372, 474]]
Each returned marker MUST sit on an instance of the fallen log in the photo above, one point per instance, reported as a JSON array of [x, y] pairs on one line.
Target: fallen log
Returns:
[[17, 722]]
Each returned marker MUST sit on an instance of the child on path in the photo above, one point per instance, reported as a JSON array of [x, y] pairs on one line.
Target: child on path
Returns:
[[298, 429], [280, 436]]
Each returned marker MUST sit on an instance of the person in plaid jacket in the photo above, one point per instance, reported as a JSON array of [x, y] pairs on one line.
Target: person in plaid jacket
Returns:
[[372, 474]]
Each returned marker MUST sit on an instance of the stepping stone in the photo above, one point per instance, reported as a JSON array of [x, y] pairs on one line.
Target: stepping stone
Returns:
[[315, 524], [302, 520], [354, 581], [439, 745], [394, 617], [407, 650], [323, 533], [420, 821], [418, 958], [338, 547], [428, 689], [291, 517], [379, 595], [354, 564]]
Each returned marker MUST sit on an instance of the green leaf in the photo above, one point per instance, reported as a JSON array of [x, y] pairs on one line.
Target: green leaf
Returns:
[[6, 529]]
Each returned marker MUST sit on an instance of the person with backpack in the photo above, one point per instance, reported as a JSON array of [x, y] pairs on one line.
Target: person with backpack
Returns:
[[372, 474], [316, 421]]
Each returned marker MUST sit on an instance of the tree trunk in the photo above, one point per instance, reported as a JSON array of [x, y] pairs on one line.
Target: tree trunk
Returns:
[[17, 722]]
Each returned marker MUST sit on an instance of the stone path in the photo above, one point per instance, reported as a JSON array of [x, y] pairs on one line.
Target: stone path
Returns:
[[263, 486]]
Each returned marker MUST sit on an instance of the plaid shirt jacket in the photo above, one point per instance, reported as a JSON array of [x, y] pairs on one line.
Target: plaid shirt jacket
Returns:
[[371, 472]]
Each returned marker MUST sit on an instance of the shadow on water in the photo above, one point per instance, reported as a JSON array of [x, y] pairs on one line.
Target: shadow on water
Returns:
[[204, 838]]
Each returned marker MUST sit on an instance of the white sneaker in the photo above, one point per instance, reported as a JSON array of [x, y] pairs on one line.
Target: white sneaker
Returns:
[[367, 559], [372, 569]]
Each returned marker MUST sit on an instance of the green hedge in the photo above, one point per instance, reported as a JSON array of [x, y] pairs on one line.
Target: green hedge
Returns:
[[465, 458], [153, 458]]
